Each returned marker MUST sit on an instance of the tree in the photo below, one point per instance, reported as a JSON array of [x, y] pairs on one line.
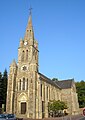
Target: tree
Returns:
[[55, 79], [80, 86], [54, 106], [4, 87], [0, 90]]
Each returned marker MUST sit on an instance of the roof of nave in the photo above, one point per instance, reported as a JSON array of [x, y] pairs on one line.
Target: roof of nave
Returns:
[[48, 80], [65, 84]]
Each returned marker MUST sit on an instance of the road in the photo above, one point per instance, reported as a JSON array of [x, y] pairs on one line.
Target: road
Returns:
[[83, 118], [76, 117]]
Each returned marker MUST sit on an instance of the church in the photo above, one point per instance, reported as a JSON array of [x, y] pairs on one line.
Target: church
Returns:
[[28, 90]]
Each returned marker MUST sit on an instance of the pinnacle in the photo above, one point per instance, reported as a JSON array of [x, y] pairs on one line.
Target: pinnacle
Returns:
[[13, 63]]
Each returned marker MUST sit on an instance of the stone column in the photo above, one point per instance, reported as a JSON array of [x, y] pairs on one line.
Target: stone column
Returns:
[[12, 98], [34, 96], [28, 103], [37, 101], [21, 84], [46, 103], [40, 100]]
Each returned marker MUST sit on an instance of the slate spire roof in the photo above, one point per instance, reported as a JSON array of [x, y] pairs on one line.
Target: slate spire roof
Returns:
[[29, 29]]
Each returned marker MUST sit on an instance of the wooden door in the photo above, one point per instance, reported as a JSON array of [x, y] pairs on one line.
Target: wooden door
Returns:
[[23, 107]]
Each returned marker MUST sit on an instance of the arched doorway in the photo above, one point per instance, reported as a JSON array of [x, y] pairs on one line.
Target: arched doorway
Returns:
[[22, 103]]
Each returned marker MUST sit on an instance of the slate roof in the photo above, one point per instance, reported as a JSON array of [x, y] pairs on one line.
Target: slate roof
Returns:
[[65, 84], [48, 80]]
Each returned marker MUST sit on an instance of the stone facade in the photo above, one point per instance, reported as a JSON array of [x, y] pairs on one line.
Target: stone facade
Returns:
[[70, 97], [28, 91]]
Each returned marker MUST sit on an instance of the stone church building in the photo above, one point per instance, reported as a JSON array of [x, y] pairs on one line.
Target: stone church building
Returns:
[[28, 90]]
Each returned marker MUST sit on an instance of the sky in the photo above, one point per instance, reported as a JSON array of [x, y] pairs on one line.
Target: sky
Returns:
[[59, 28]]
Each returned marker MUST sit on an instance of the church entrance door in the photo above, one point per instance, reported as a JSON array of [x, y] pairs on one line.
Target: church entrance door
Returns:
[[23, 107]]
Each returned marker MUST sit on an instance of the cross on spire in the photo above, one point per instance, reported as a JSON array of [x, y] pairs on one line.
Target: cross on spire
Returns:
[[30, 9]]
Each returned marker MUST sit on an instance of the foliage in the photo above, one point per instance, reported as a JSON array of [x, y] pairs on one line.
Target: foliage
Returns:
[[80, 86], [55, 79], [0, 88], [4, 78], [54, 106], [3, 88]]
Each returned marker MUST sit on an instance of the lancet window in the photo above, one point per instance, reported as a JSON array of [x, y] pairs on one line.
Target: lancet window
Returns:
[[47, 92], [41, 90], [20, 85], [27, 83], [23, 83], [22, 55], [26, 54]]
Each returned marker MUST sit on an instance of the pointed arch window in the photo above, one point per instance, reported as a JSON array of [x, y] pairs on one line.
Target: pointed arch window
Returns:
[[26, 54], [20, 85], [23, 83], [27, 83], [41, 90], [23, 55], [47, 92]]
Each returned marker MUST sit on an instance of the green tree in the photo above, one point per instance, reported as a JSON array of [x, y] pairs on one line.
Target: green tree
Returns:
[[80, 86], [4, 88], [0, 89], [55, 79], [54, 106]]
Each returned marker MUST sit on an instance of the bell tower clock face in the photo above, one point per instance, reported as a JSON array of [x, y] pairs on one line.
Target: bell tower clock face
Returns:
[[25, 43]]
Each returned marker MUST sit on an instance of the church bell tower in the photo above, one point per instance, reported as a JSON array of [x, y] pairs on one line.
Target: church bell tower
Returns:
[[22, 80]]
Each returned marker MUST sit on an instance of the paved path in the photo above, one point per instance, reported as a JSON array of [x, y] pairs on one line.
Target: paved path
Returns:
[[76, 117]]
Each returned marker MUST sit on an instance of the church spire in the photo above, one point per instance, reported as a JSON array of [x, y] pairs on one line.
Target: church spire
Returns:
[[29, 34], [30, 19]]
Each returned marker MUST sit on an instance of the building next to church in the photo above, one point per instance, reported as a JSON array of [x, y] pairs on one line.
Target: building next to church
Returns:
[[28, 91]]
